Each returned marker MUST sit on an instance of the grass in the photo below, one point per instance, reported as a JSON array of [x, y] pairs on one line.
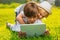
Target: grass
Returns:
[[52, 23], [12, 5]]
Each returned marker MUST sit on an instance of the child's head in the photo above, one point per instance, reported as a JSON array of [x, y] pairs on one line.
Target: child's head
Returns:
[[44, 9], [31, 11]]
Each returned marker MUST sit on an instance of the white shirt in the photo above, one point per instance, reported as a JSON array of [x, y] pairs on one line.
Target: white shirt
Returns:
[[20, 8]]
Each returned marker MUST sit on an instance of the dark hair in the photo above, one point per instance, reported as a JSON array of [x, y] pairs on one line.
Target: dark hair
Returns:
[[31, 9]]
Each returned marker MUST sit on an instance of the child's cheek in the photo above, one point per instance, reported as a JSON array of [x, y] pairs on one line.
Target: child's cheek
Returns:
[[40, 17]]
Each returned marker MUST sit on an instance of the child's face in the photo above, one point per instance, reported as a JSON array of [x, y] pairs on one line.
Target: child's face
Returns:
[[42, 13], [31, 20]]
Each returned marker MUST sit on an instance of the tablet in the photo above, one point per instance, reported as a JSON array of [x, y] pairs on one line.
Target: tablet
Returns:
[[33, 29]]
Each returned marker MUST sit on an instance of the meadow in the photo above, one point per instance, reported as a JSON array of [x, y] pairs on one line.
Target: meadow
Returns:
[[52, 23]]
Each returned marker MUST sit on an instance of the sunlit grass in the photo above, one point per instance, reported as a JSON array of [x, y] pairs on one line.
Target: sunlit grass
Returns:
[[12, 5]]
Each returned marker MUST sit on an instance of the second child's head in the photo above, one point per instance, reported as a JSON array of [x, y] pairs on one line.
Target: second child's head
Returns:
[[44, 9], [31, 11]]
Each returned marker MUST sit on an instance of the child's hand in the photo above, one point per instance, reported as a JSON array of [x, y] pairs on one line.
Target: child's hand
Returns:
[[20, 19], [21, 34]]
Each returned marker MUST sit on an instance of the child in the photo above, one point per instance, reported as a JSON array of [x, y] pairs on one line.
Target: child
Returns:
[[19, 10]]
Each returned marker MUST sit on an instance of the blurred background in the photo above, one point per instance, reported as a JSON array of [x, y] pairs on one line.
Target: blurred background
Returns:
[[15, 3], [53, 2]]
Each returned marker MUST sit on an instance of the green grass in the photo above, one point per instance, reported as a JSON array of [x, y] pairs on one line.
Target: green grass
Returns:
[[52, 23]]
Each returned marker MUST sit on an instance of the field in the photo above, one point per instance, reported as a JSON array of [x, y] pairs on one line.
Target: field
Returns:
[[52, 23]]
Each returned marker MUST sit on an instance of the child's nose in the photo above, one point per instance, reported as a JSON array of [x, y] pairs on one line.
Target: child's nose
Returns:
[[32, 19], [40, 16]]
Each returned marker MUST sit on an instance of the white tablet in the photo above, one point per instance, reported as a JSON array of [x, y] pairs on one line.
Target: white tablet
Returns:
[[33, 29]]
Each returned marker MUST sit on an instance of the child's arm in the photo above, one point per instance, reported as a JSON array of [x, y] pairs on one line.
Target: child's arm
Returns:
[[20, 19], [20, 8]]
